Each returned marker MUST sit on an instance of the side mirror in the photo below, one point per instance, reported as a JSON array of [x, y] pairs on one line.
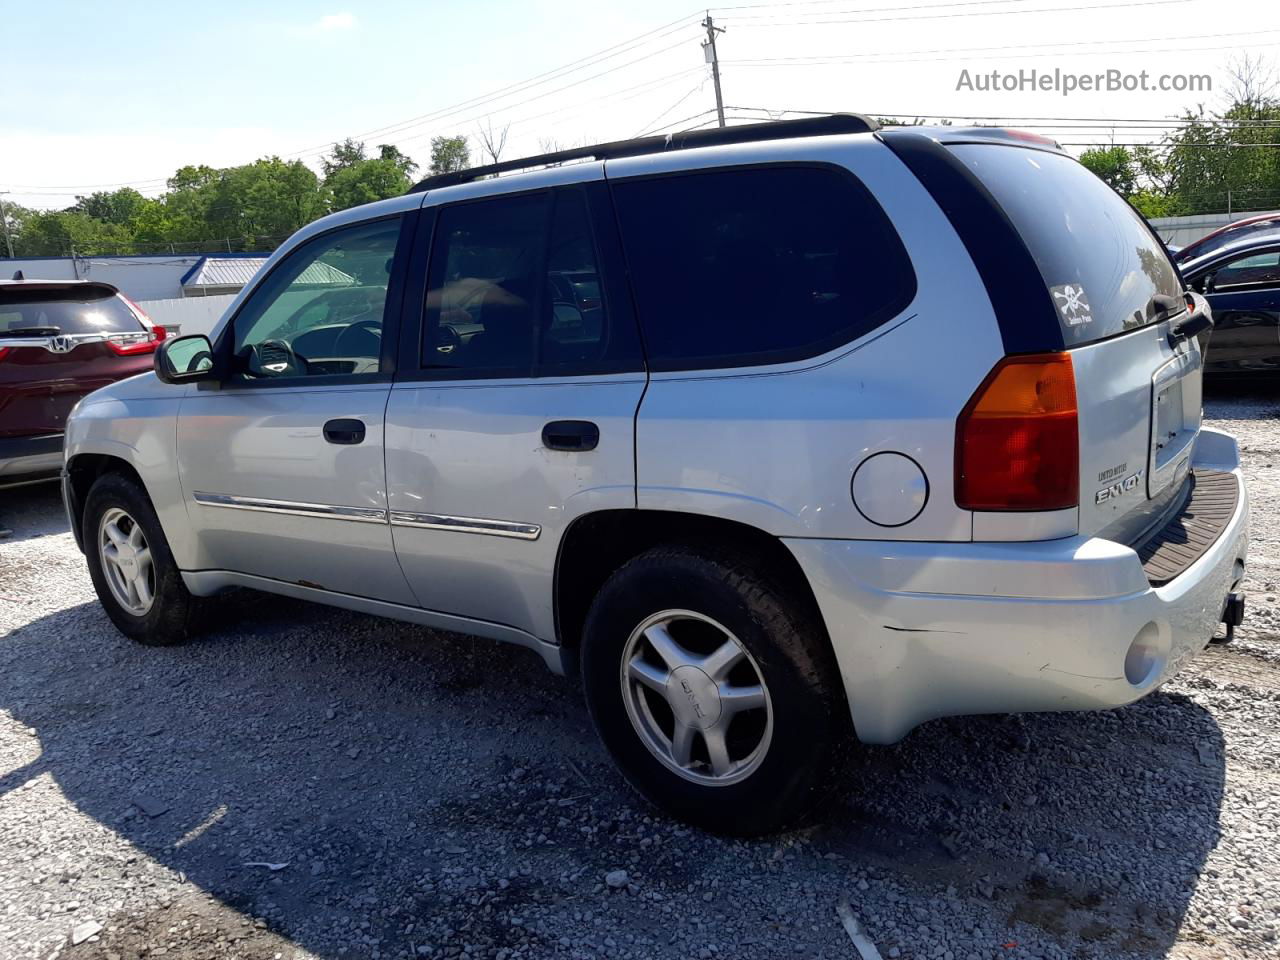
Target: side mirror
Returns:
[[184, 359], [1207, 283]]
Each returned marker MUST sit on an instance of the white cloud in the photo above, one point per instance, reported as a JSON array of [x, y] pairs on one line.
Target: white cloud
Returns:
[[336, 21]]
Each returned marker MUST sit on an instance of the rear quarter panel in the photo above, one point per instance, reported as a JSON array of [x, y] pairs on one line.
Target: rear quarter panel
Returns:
[[776, 446]]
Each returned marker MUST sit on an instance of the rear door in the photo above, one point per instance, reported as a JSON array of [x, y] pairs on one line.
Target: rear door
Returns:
[[59, 342], [1116, 297], [519, 417]]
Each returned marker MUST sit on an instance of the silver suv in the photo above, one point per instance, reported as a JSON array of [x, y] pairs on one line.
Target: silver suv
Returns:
[[777, 433]]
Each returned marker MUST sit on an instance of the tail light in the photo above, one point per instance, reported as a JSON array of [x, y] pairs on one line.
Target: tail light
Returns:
[[1017, 439], [129, 344], [4, 352]]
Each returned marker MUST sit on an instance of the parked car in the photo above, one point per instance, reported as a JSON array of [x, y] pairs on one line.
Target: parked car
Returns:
[[1223, 236], [60, 340], [1241, 281], [868, 428]]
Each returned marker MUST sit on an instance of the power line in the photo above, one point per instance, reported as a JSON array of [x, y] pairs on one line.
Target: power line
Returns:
[[782, 62], [854, 57], [616, 50], [653, 123], [743, 22]]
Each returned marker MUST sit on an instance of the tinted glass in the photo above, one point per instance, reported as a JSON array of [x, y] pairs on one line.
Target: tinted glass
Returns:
[[1252, 272], [574, 333], [482, 285], [54, 312], [751, 266], [1095, 253], [513, 293], [320, 311]]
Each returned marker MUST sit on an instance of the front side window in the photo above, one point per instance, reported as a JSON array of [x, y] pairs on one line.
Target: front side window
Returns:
[[758, 265], [1258, 271], [514, 289], [320, 312]]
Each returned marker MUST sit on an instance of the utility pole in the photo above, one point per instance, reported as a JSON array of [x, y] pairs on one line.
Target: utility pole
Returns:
[[4, 218], [709, 51]]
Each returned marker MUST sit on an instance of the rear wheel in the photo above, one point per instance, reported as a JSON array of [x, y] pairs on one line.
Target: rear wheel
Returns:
[[129, 561], [714, 689]]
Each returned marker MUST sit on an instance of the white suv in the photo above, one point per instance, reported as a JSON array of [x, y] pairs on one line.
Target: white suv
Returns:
[[778, 431]]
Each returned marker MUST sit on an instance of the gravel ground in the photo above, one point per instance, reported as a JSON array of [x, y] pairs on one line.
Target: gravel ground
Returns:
[[305, 782]]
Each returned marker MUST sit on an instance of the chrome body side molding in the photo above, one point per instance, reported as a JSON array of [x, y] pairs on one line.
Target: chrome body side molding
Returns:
[[293, 508], [492, 528]]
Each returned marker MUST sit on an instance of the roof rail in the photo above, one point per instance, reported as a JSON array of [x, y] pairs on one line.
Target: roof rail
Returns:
[[828, 125]]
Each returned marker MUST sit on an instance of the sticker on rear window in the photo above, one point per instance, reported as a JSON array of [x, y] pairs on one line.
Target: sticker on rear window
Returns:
[[1073, 305]]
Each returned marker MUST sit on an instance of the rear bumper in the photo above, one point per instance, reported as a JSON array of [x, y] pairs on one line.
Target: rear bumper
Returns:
[[30, 459], [927, 630]]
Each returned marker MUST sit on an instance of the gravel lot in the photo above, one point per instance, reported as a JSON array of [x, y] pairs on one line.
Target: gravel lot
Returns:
[[304, 782]]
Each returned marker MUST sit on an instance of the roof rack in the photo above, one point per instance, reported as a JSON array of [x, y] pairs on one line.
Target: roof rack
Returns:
[[828, 125]]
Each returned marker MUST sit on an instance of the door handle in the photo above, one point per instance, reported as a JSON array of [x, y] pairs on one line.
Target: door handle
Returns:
[[344, 431], [571, 435]]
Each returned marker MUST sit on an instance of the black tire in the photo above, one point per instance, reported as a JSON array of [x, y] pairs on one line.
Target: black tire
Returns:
[[173, 608], [789, 645]]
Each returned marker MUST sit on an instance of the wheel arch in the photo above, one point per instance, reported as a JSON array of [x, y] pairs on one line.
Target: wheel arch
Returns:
[[597, 544], [82, 471]]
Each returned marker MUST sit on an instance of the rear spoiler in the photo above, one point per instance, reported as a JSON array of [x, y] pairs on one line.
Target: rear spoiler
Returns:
[[15, 290]]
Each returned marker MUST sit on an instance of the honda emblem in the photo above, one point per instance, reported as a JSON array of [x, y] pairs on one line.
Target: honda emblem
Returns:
[[61, 344]]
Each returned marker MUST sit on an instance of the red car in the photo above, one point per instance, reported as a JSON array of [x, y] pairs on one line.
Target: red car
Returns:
[[59, 340]]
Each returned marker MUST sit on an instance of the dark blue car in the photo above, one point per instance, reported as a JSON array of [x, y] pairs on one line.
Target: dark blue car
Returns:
[[1241, 281]]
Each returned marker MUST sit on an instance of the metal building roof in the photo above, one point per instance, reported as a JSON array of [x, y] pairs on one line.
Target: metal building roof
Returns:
[[237, 271]]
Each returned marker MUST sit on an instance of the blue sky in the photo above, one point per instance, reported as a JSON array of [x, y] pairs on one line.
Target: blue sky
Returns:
[[101, 94]]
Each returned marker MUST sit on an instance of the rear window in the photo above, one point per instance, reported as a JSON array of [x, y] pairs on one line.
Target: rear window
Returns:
[[63, 311], [1096, 255], [760, 265]]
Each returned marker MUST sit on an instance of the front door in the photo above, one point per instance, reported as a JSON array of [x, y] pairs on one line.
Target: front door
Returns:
[[520, 416], [1245, 297], [282, 464]]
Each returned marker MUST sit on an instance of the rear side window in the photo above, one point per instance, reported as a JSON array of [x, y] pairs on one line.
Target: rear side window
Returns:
[[1101, 263], [514, 289], [52, 312], [760, 265]]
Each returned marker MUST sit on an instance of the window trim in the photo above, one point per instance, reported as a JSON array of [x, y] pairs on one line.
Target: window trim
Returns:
[[847, 335], [392, 311], [614, 290], [1254, 286]]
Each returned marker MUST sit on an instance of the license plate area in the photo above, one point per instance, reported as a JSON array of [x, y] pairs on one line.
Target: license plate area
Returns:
[[1175, 419]]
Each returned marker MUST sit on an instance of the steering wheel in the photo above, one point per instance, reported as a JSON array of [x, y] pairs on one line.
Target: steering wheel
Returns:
[[370, 325]]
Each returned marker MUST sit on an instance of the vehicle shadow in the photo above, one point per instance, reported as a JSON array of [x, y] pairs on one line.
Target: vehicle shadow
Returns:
[[422, 790], [33, 511]]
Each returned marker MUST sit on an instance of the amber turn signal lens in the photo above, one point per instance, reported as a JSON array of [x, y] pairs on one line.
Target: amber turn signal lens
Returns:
[[1017, 439]]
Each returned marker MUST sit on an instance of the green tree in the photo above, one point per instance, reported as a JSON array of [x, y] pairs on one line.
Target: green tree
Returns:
[[117, 206], [449, 154], [60, 233], [345, 154], [374, 179], [1115, 166], [390, 152]]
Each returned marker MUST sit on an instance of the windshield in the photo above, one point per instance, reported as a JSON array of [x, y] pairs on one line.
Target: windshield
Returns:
[[1101, 263], [64, 311]]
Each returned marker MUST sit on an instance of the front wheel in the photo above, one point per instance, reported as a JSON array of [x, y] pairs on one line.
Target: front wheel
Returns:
[[714, 689], [129, 561]]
